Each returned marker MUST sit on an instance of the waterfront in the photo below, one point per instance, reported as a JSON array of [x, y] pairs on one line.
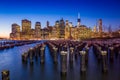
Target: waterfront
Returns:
[[10, 59]]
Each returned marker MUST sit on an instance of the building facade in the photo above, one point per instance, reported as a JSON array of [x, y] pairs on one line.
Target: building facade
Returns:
[[37, 30], [100, 27], [61, 30], [15, 34], [26, 29]]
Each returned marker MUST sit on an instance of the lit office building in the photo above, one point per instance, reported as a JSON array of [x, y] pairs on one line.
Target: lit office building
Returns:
[[38, 30], [15, 34]]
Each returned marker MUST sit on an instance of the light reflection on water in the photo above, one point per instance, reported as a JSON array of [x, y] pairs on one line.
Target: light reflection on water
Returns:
[[11, 59]]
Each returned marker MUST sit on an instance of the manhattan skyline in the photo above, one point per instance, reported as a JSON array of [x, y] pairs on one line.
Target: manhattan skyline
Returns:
[[51, 10]]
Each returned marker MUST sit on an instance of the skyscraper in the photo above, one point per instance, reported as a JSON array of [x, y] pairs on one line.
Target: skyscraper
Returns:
[[62, 23], [78, 20], [15, 28], [100, 25], [37, 30], [62, 29], [15, 32], [47, 24], [57, 25], [95, 29], [26, 29], [26, 26], [109, 29], [67, 30], [70, 33]]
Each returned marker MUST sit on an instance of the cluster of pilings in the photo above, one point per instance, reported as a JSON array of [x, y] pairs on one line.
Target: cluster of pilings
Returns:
[[28, 56], [68, 52], [11, 44], [106, 52], [101, 53], [34, 53]]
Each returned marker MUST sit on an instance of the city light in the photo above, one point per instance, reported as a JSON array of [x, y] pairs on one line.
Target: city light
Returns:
[[61, 30]]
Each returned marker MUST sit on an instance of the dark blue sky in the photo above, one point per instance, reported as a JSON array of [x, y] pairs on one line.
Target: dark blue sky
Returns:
[[13, 11], [90, 8]]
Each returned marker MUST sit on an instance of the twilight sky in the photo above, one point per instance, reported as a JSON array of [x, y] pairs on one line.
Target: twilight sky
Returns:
[[13, 11]]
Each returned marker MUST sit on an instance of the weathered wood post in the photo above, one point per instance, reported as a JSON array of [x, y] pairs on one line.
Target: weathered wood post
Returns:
[[42, 55], [5, 75], [71, 54], [87, 53], [55, 54], [63, 62], [111, 53], [24, 57], [82, 61], [104, 61], [31, 56]]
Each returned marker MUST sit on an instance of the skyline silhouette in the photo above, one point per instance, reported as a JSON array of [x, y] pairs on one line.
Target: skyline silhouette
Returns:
[[52, 10]]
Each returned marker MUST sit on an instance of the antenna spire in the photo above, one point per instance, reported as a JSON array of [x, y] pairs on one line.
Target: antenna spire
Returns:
[[78, 15]]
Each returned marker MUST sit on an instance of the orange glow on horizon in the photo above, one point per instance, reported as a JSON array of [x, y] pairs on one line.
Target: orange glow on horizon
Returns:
[[4, 35]]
